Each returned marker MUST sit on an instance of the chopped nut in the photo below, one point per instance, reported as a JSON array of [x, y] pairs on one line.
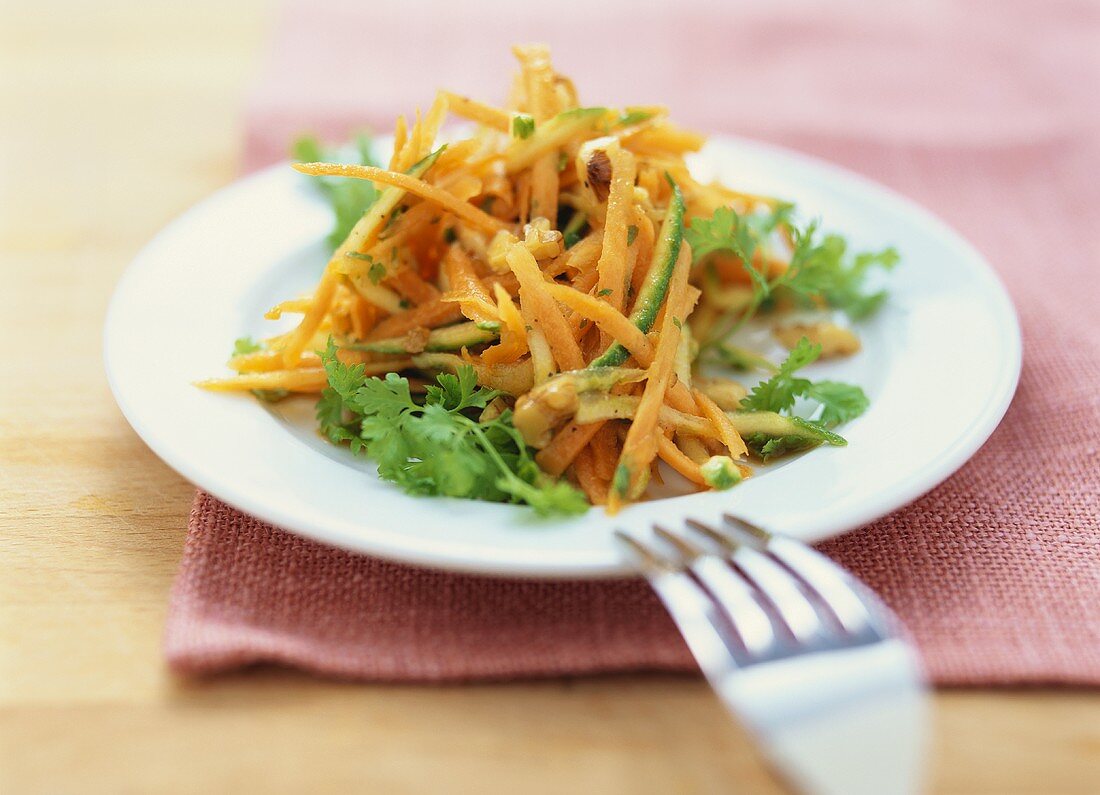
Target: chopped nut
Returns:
[[834, 340], [417, 339], [723, 391], [598, 173], [542, 241]]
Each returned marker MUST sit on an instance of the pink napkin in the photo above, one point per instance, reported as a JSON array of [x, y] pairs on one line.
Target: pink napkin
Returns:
[[985, 112]]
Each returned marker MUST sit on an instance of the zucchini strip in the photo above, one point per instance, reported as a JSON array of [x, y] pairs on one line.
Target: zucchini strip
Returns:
[[450, 338], [656, 285], [601, 408], [640, 447]]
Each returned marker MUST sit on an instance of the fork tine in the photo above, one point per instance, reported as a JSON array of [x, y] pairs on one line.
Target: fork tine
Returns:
[[777, 584], [692, 609], [857, 611], [755, 628]]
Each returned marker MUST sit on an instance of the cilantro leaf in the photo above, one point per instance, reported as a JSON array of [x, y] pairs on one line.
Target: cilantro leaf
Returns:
[[820, 269], [728, 230], [778, 393], [245, 345], [824, 270], [839, 402], [436, 447], [350, 198]]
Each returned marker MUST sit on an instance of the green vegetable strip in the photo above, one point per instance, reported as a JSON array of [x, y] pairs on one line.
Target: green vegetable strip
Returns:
[[655, 287]]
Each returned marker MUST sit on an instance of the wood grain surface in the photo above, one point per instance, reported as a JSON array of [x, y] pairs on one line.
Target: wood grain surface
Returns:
[[113, 119]]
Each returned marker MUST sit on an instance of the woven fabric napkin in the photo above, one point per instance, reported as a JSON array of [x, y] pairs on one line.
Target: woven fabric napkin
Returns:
[[983, 111]]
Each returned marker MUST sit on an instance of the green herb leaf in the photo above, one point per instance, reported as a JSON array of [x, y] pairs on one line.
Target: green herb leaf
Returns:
[[605, 291], [839, 402], [778, 393], [437, 447], [824, 269], [244, 345], [631, 234]]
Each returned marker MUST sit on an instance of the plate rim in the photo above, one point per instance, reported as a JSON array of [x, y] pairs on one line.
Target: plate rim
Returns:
[[914, 486]]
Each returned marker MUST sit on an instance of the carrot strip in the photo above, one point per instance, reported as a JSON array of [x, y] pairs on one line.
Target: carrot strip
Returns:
[[605, 451], [646, 238], [409, 284], [722, 423], [464, 281], [612, 263], [513, 332], [425, 190], [295, 305], [609, 319], [567, 443], [675, 458], [548, 318], [430, 315], [594, 487], [266, 361], [477, 111]]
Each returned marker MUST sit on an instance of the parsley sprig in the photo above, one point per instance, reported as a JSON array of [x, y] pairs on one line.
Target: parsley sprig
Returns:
[[350, 198], [436, 447], [820, 267], [838, 402]]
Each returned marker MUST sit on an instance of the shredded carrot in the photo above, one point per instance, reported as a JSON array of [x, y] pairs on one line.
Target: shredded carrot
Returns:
[[594, 487], [464, 210], [556, 457], [548, 318], [722, 423], [612, 262], [466, 287], [513, 331], [478, 111], [675, 458], [409, 284], [610, 320]]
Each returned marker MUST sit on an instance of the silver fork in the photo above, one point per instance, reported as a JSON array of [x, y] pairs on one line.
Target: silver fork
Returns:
[[806, 657]]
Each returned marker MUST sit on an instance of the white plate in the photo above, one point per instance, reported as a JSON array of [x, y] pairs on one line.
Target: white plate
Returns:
[[940, 364]]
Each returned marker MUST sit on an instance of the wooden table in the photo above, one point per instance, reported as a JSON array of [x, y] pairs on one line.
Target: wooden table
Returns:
[[113, 121]]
